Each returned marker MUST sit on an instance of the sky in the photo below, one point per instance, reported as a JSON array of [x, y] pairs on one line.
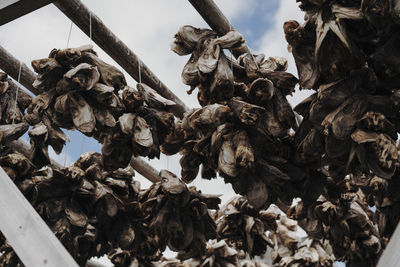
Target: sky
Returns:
[[147, 27]]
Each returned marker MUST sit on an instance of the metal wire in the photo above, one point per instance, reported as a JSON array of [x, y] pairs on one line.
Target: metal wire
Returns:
[[90, 26], [140, 72], [16, 93], [69, 34], [65, 155]]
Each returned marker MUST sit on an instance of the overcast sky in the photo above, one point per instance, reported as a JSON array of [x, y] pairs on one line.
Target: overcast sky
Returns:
[[147, 27]]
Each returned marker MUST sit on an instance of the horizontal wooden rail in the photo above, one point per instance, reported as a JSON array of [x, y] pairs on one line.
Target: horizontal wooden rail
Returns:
[[210, 12], [13, 9], [113, 46], [10, 65]]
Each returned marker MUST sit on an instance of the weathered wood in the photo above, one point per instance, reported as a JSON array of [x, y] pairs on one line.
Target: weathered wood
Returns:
[[92, 263], [10, 65], [145, 169], [113, 46], [34, 243], [391, 256], [13, 9], [216, 20]]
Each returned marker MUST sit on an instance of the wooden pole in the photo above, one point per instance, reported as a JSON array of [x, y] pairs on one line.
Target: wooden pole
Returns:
[[210, 12], [145, 169], [13, 9], [11, 66], [30, 237], [113, 46], [391, 255]]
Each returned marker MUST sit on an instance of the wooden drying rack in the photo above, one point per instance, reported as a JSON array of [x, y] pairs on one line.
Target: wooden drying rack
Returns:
[[28, 234]]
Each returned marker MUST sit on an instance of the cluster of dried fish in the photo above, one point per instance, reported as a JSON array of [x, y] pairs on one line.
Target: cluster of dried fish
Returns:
[[13, 102], [348, 223], [178, 216], [242, 130], [172, 215], [217, 254], [243, 227], [83, 92], [346, 52], [293, 246], [251, 230], [90, 210]]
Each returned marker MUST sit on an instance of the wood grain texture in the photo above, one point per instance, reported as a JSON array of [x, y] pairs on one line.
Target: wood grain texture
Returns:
[[10, 65], [391, 255], [210, 12], [145, 169], [113, 46], [34, 243], [11, 10]]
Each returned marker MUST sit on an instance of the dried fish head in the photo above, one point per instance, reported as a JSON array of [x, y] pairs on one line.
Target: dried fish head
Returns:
[[11, 132], [109, 75], [208, 59], [275, 64], [226, 160], [187, 38], [153, 99], [171, 184], [131, 98], [142, 134], [380, 155], [261, 90], [67, 56], [248, 114], [232, 39], [82, 77], [82, 114], [376, 121], [190, 73], [222, 85]]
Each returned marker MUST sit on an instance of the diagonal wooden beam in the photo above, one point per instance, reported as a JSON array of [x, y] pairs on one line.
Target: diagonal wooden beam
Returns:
[[13, 9], [30, 237], [214, 17], [391, 256], [113, 46], [10, 65]]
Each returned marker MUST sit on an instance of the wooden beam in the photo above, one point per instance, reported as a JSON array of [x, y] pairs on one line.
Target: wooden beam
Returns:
[[113, 46], [30, 237], [210, 12], [10, 65], [13, 9], [145, 169], [391, 255]]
